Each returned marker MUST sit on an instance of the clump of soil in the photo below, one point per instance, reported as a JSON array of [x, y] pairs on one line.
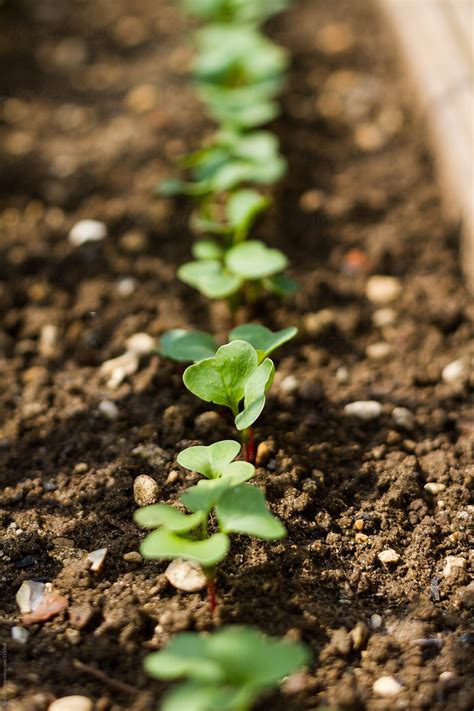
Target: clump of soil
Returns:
[[96, 110]]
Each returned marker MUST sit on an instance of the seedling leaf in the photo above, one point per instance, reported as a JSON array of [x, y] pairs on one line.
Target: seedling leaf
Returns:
[[254, 260], [261, 338], [205, 495], [166, 544], [180, 345], [210, 278], [196, 696], [242, 209], [222, 379], [255, 389], [243, 510], [169, 516], [210, 461], [185, 655], [281, 284], [207, 249]]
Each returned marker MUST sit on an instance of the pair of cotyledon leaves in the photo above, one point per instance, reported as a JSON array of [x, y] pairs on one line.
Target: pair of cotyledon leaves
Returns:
[[240, 211], [218, 273], [225, 671], [238, 506], [253, 11], [181, 345]]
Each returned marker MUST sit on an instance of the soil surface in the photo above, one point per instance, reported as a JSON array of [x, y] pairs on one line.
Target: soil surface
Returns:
[[96, 109]]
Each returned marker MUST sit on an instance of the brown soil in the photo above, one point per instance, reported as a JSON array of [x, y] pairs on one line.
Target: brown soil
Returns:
[[76, 143]]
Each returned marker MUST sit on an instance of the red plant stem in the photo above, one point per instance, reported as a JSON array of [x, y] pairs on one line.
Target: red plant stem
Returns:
[[211, 595], [249, 445]]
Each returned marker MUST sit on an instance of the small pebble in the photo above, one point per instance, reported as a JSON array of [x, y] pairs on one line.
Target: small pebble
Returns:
[[455, 372], [361, 537], [383, 289], [81, 468], [376, 621], [29, 595], [80, 615], [97, 559], [140, 343], [359, 635], [133, 241], [388, 556], [319, 322], [19, 634], [87, 231], [453, 566], [185, 575], [145, 490], [335, 38], [126, 286], [379, 350], [403, 418], [364, 409], [312, 200], [142, 98], [359, 524], [384, 317], [289, 385], [433, 487], [263, 454], [133, 557], [369, 137], [108, 409], [71, 703], [117, 369], [48, 341], [387, 687], [342, 374]]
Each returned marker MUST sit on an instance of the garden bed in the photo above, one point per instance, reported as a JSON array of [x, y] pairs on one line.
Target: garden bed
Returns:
[[99, 110]]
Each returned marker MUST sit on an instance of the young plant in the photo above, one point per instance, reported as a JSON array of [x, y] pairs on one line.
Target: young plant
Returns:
[[232, 221], [184, 346], [235, 378], [225, 671], [253, 11], [236, 506]]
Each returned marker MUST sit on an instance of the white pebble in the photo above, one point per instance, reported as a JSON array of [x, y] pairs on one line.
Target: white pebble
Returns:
[[378, 350], [454, 565], [185, 575], [403, 418], [388, 556], [145, 490], [384, 317], [342, 374], [29, 595], [289, 385], [87, 231], [71, 703], [97, 559], [363, 409], [126, 286], [376, 621], [108, 409], [382, 289], [140, 343], [48, 341], [387, 687], [455, 372], [433, 487], [117, 369], [19, 634]]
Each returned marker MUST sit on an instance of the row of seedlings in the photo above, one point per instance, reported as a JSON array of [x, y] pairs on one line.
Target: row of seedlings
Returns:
[[238, 73]]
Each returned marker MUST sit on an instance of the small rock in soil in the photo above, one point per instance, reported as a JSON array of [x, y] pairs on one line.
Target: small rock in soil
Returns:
[[453, 566], [19, 634], [71, 703], [376, 621], [342, 374], [335, 38], [384, 317], [117, 369], [359, 635], [126, 286], [403, 418], [312, 200], [142, 98], [263, 454], [382, 289], [96, 559], [87, 231], [132, 557], [456, 372], [140, 343], [387, 687], [207, 422], [433, 487], [319, 322], [108, 409], [51, 605], [48, 341], [185, 575], [80, 615], [388, 556], [288, 385], [29, 595], [133, 241], [145, 490], [379, 350], [364, 409]]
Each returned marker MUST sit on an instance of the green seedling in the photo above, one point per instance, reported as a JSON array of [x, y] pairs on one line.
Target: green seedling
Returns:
[[236, 506], [225, 671], [232, 160], [235, 378], [255, 11], [248, 267], [239, 214], [184, 346]]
